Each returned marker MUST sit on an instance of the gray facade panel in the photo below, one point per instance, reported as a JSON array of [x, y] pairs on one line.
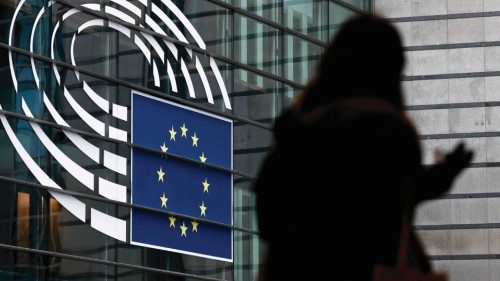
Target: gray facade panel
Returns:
[[446, 39]]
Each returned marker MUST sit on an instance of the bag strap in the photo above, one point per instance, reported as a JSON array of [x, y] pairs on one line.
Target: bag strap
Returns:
[[404, 241]]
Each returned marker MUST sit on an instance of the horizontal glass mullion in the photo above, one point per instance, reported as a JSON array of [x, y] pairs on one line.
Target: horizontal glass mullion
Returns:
[[63, 70], [28, 185], [301, 59], [76, 267]]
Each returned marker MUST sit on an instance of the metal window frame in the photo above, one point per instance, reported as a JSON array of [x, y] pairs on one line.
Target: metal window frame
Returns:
[[128, 144], [125, 204], [105, 262]]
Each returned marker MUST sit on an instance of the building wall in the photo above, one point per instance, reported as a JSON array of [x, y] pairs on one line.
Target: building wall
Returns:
[[452, 88]]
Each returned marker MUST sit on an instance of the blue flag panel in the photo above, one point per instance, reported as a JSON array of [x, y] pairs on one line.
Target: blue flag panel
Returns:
[[178, 186]]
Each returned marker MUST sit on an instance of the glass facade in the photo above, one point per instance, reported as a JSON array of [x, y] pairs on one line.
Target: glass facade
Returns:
[[74, 65]]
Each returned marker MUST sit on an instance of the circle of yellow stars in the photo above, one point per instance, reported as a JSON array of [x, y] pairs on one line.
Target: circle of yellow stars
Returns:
[[205, 184]]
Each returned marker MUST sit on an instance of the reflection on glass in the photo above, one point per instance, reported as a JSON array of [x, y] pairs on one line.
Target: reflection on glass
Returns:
[[301, 58], [337, 15], [23, 223], [247, 251], [269, 9], [257, 44], [307, 17]]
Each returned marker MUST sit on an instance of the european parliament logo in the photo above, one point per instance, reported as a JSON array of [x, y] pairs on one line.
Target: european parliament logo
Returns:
[[195, 195], [198, 190]]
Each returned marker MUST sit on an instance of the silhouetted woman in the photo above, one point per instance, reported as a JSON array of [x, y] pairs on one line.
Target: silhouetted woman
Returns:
[[345, 170]]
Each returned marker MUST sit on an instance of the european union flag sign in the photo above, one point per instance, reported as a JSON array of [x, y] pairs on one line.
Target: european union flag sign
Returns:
[[179, 186]]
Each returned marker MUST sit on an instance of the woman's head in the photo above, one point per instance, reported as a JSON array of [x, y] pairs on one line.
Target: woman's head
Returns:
[[364, 59]]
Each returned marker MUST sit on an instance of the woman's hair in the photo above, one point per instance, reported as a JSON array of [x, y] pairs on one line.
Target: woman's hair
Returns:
[[365, 59]]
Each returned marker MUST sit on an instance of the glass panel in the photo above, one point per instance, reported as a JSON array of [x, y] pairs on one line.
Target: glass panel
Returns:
[[307, 17], [50, 268], [301, 58], [248, 256], [256, 97], [289, 94], [213, 23], [337, 15], [257, 44], [269, 9], [244, 205]]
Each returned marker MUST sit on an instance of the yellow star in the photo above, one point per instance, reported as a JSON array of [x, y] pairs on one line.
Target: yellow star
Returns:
[[203, 209], [203, 159], [183, 229], [163, 148], [184, 131], [172, 133], [160, 174], [195, 140], [172, 221], [195, 226], [164, 200], [205, 185]]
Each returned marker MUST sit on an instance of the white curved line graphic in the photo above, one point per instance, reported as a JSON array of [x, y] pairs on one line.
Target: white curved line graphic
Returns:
[[92, 6], [187, 77], [156, 46], [189, 26], [122, 29], [86, 147], [220, 81], [79, 173], [70, 13], [115, 162], [143, 48], [117, 134], [112, 190], [54, 67], [156, 28], [11, 63], [108, 225], [156, 75], [120, 111], [170, 5], [171, 77], [119, 14], [173, 49], [72, 54], [90, 120], [127, 5], [204, 81], [73, 205], [98, 100], [33, 30], [169, 23], [90, 23]]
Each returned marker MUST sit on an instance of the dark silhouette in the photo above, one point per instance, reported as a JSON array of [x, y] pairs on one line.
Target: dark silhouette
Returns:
[[347, 159]]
